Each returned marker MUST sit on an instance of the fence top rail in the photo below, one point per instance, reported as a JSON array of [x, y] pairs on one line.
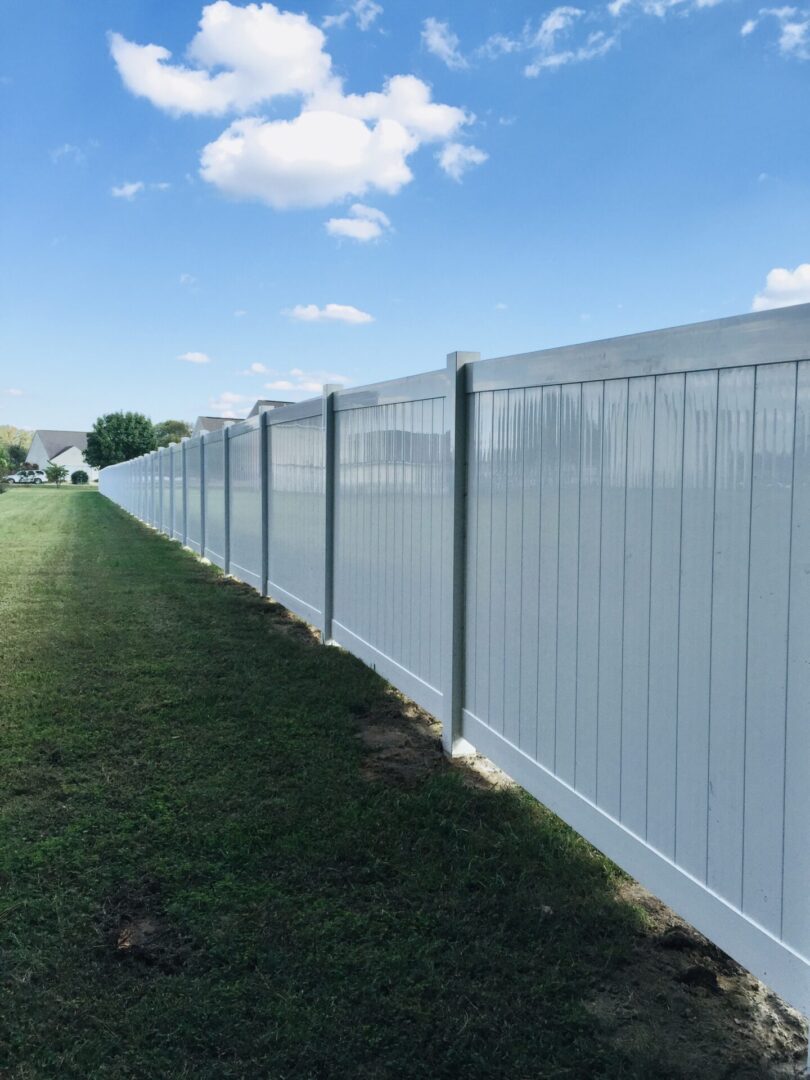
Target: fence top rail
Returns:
[[429, 384], [767, 337], [299, 410]]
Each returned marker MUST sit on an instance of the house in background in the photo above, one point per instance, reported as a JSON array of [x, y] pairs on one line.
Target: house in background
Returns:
[[61, 448], [216, 423]]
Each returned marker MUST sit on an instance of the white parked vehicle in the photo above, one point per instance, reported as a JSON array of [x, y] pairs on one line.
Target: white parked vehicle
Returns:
[[27, 476]]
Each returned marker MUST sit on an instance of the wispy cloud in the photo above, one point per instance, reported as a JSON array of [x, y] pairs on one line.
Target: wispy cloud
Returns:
[[128, 190], [328, 313], [240, 313], [188, 279], [442, 42], [784, 288], [298, 382], [68, 152], [793, 26], [364, 12], [456, 159], [230, 404], [195, 358], [364, 223], [13, 392], [255, 369]]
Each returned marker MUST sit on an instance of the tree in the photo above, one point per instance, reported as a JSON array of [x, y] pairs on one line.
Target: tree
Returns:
[[55, 474], [79, 477], [16, 442], [16, 455], [118, 437], [5, 463], [170, 431]]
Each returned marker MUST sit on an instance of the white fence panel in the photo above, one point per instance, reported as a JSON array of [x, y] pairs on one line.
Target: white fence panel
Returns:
[[391, 469], [194, 494], [295, 508], [245, 503]]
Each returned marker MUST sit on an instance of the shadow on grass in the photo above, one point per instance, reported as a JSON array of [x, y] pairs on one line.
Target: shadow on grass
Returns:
[[217, 863]]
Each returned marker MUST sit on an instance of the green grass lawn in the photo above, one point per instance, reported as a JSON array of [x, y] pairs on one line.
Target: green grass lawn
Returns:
[[201, 877]]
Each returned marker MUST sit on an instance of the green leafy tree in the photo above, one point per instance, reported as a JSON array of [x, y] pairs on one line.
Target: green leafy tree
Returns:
[[16, 455], [170, 431], [79, 477], [5, 463], [55, 474], [118, 437]]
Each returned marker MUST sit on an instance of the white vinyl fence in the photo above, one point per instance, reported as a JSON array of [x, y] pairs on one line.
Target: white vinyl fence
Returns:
[[591, 563]]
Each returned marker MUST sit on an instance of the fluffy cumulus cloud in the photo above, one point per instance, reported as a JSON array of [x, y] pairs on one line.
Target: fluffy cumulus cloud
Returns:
[[439, 39], [363, 223], [298, 382], [255, 369], [195, 358], [335, 146], [783, 288], [328, 313]]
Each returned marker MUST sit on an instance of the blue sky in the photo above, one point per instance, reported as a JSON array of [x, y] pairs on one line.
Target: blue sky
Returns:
[[276, 207]]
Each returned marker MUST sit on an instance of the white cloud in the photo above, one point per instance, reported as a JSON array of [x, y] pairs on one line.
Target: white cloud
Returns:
[[240, 313], [13, 392], [439, 39], [257, 53], [365, 12], [127, 191], [230, 404], [255, 369], [783, 288], [364, 223], [188, 279], [660, 8], [163, 185], [794, 30], [300, 382], [337, 145], [500, 306], [195, 357], [329, 313], [68, 152], [549, 41], [456, 158], [596, 44]]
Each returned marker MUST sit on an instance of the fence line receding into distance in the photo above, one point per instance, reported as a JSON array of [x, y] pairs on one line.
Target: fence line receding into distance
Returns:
[[592, 564]]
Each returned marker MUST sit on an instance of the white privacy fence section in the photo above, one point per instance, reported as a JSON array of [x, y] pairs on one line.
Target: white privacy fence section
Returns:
[[592, 564]]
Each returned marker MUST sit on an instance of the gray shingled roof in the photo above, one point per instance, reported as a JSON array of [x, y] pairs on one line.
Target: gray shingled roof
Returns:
[[57, 441], [214, 423]]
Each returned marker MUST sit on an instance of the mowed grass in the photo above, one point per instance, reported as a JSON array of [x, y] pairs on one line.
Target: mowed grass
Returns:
[[173, 762]]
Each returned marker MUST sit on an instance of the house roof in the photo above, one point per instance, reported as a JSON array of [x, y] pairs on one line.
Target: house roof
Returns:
[[214, 423], [55, 442], [263, 404]]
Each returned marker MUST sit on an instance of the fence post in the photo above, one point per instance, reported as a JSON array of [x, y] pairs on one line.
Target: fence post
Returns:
[[226, 486], [329, 392], [184, 489], [454, 578], [202, 495], [264, 485]]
